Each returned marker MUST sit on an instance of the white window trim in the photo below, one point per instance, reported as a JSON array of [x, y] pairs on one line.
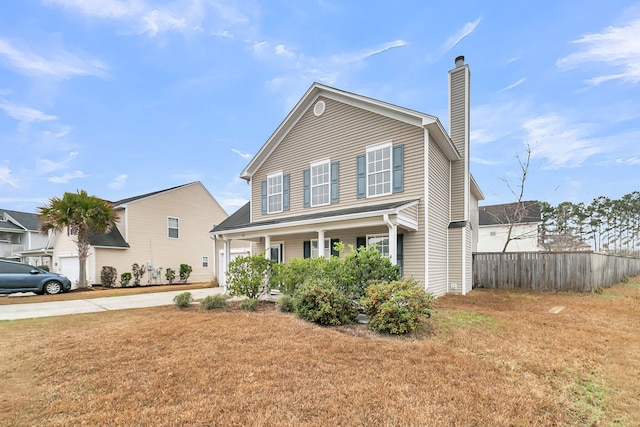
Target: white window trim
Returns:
[[376, 147], [327, 248], [205, 259], [328, 183], [369, 236], [168, 227], [281, 193]]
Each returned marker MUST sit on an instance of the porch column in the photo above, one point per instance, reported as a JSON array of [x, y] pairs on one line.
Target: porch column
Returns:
[[321, 244], [227, 258], [267, 247], [393, 240]]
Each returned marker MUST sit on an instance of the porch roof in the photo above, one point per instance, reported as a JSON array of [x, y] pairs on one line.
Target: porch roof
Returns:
[[240, 220]]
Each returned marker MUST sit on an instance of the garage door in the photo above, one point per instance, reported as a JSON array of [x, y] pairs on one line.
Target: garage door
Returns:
[[70, 267]]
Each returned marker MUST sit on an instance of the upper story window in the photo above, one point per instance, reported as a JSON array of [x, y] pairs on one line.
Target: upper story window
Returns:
[[320, 183], [379, 170], [274, 193], [173, 228]]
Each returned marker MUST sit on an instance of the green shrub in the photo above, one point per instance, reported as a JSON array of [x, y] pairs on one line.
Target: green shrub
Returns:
[[185, 272], [138, 272], [214, 301], [291, 275], [321, 301], [125, 278], [249, 304], [363, 266], [108, 276], [183, 300], [250, 276], [396, 307], [170, 275], [285, 304]]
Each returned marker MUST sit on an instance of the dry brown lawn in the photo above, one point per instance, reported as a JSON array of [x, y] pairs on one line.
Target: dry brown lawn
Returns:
[[491, 358]]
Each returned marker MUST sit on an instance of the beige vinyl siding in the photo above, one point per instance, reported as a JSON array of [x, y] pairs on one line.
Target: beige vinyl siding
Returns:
[[458, 118], [468, 259], [340, 134], [147, 236], [439, 171], [475, 223], [455, 261]]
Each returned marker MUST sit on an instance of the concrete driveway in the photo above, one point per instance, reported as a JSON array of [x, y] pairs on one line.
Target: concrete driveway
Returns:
[[91, 305]]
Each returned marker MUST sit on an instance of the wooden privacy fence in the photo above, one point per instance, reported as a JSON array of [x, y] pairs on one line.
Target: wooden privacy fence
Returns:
[[575, 271]]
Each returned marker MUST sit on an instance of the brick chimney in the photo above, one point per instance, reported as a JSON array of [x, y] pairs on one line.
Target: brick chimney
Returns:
[[459, 131]]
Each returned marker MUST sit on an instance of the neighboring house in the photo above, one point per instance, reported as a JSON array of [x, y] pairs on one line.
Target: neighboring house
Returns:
[[21, 238], [157, 230], [496, 220], [345, 167]]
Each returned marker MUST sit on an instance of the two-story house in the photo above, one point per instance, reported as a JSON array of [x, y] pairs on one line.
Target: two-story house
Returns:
[[345, 167], [157, 230], [516, 223], [21, 238]]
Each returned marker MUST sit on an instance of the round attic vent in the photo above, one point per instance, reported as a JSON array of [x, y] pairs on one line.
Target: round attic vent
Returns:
[[319, 108]]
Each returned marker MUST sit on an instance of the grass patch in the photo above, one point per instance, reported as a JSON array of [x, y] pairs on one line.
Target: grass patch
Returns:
[[589, 397], [463, 319]]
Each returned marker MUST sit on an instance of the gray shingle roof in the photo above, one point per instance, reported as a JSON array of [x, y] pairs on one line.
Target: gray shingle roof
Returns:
[[111, 239], [503, 214], [29, 221]]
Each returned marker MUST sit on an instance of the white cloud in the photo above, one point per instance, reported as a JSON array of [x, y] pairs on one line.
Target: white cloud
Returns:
[[231, 204], [67, 177], [352, 57], [113, 9], [56, 63], [44, 166], [456, 38], [241, 154], [281, 50], [7, 178], [562, 144], [513, 85], [149, 17], [615, 47], [118, 182], [25, 114]]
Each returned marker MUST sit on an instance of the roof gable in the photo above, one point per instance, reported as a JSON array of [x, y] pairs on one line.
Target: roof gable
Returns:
[[504, 213], [395, 112], [28, 221]]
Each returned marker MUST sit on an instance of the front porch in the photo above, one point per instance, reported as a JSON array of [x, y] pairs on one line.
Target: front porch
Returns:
[[299, 237]]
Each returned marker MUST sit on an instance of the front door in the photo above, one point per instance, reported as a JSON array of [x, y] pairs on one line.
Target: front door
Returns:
[[277, 252]]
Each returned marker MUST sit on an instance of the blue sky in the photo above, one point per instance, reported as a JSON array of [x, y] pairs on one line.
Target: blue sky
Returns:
[[121, 98]]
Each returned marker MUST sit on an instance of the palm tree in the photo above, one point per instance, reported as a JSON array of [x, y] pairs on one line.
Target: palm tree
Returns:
[[83, 215]]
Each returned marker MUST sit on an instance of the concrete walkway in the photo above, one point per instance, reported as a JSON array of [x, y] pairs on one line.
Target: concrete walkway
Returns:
[[91, 305]]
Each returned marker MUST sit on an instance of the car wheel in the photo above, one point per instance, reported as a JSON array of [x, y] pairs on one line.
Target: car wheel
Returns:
[[52, 287]]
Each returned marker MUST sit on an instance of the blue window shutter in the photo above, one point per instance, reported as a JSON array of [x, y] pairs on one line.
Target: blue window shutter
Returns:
[[362, 176], [285, 192], [264, 197], [335, 170], [398, 166], [306, 249], [400, 253], [306, 187]]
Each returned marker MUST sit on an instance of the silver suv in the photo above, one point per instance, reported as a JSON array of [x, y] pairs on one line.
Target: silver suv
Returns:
[[19, 277]]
